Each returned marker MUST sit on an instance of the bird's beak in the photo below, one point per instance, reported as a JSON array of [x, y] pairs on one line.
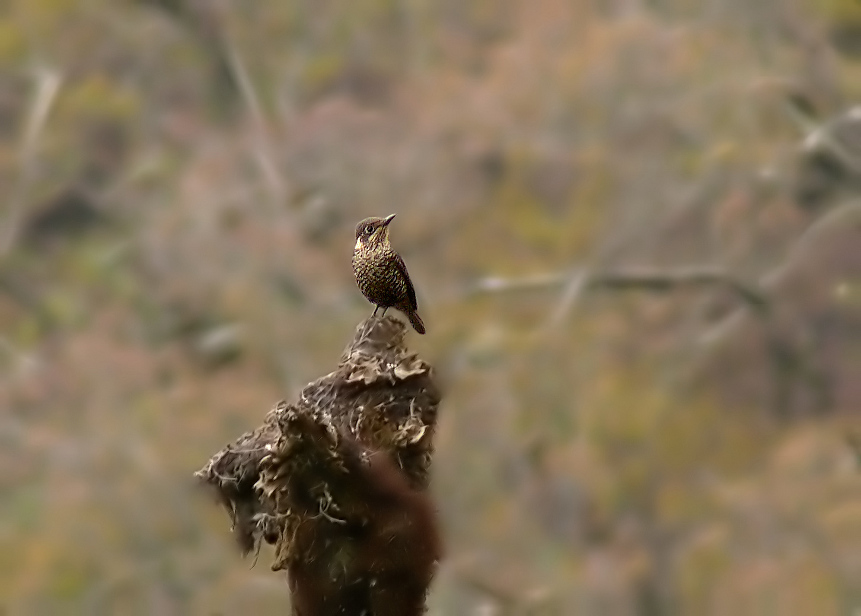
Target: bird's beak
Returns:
[[388, 219]]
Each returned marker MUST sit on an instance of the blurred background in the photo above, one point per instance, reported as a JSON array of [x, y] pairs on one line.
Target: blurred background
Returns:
[[632, 229]]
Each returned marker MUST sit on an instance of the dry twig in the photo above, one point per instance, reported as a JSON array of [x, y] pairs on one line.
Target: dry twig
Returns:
[[642, 278]]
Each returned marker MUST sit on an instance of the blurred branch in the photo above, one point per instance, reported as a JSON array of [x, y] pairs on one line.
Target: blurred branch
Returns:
[[824, 138], [635, 278], [800, 114], [206, 20], [496, 284], [754, 295], [573, 290], [47, 86], [809, 239], [512, 600], [790, 360], [263, 150], [837, 217]]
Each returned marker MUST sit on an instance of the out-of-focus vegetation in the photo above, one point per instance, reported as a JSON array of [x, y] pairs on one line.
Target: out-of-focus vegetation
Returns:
[[178, 186]]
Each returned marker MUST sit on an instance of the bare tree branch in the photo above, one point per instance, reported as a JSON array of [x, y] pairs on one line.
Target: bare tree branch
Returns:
[[263, 149], [634, 278], [824, 137], [800, 249], [509, 600], [754, 295], [47, 86]]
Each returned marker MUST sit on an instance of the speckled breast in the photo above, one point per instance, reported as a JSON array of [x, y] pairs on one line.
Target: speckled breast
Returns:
[[378, 277]]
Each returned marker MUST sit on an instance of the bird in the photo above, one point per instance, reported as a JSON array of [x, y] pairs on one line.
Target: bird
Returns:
[[381, 273]]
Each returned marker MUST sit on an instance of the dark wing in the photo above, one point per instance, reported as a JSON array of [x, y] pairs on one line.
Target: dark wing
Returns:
[[411, 292]]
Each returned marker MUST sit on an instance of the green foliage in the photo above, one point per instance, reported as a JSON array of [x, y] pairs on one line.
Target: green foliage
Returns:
[[838, 10], [11, 42]]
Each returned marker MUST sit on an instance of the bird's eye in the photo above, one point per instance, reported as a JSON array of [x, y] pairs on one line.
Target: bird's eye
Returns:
[[369, 229]]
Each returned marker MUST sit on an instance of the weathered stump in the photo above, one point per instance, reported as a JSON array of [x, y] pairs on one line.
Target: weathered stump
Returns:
[[337, 482]]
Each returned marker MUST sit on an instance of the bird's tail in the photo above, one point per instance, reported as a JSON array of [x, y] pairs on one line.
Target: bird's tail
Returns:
[[416, 321]]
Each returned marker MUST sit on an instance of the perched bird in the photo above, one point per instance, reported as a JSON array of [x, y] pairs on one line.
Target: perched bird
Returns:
[[380, 272]]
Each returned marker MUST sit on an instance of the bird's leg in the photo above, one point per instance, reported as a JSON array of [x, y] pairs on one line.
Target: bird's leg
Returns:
[[384, 311], [375, 311]]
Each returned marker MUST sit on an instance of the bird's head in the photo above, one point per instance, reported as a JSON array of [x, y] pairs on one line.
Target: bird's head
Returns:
[[373, 231]]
